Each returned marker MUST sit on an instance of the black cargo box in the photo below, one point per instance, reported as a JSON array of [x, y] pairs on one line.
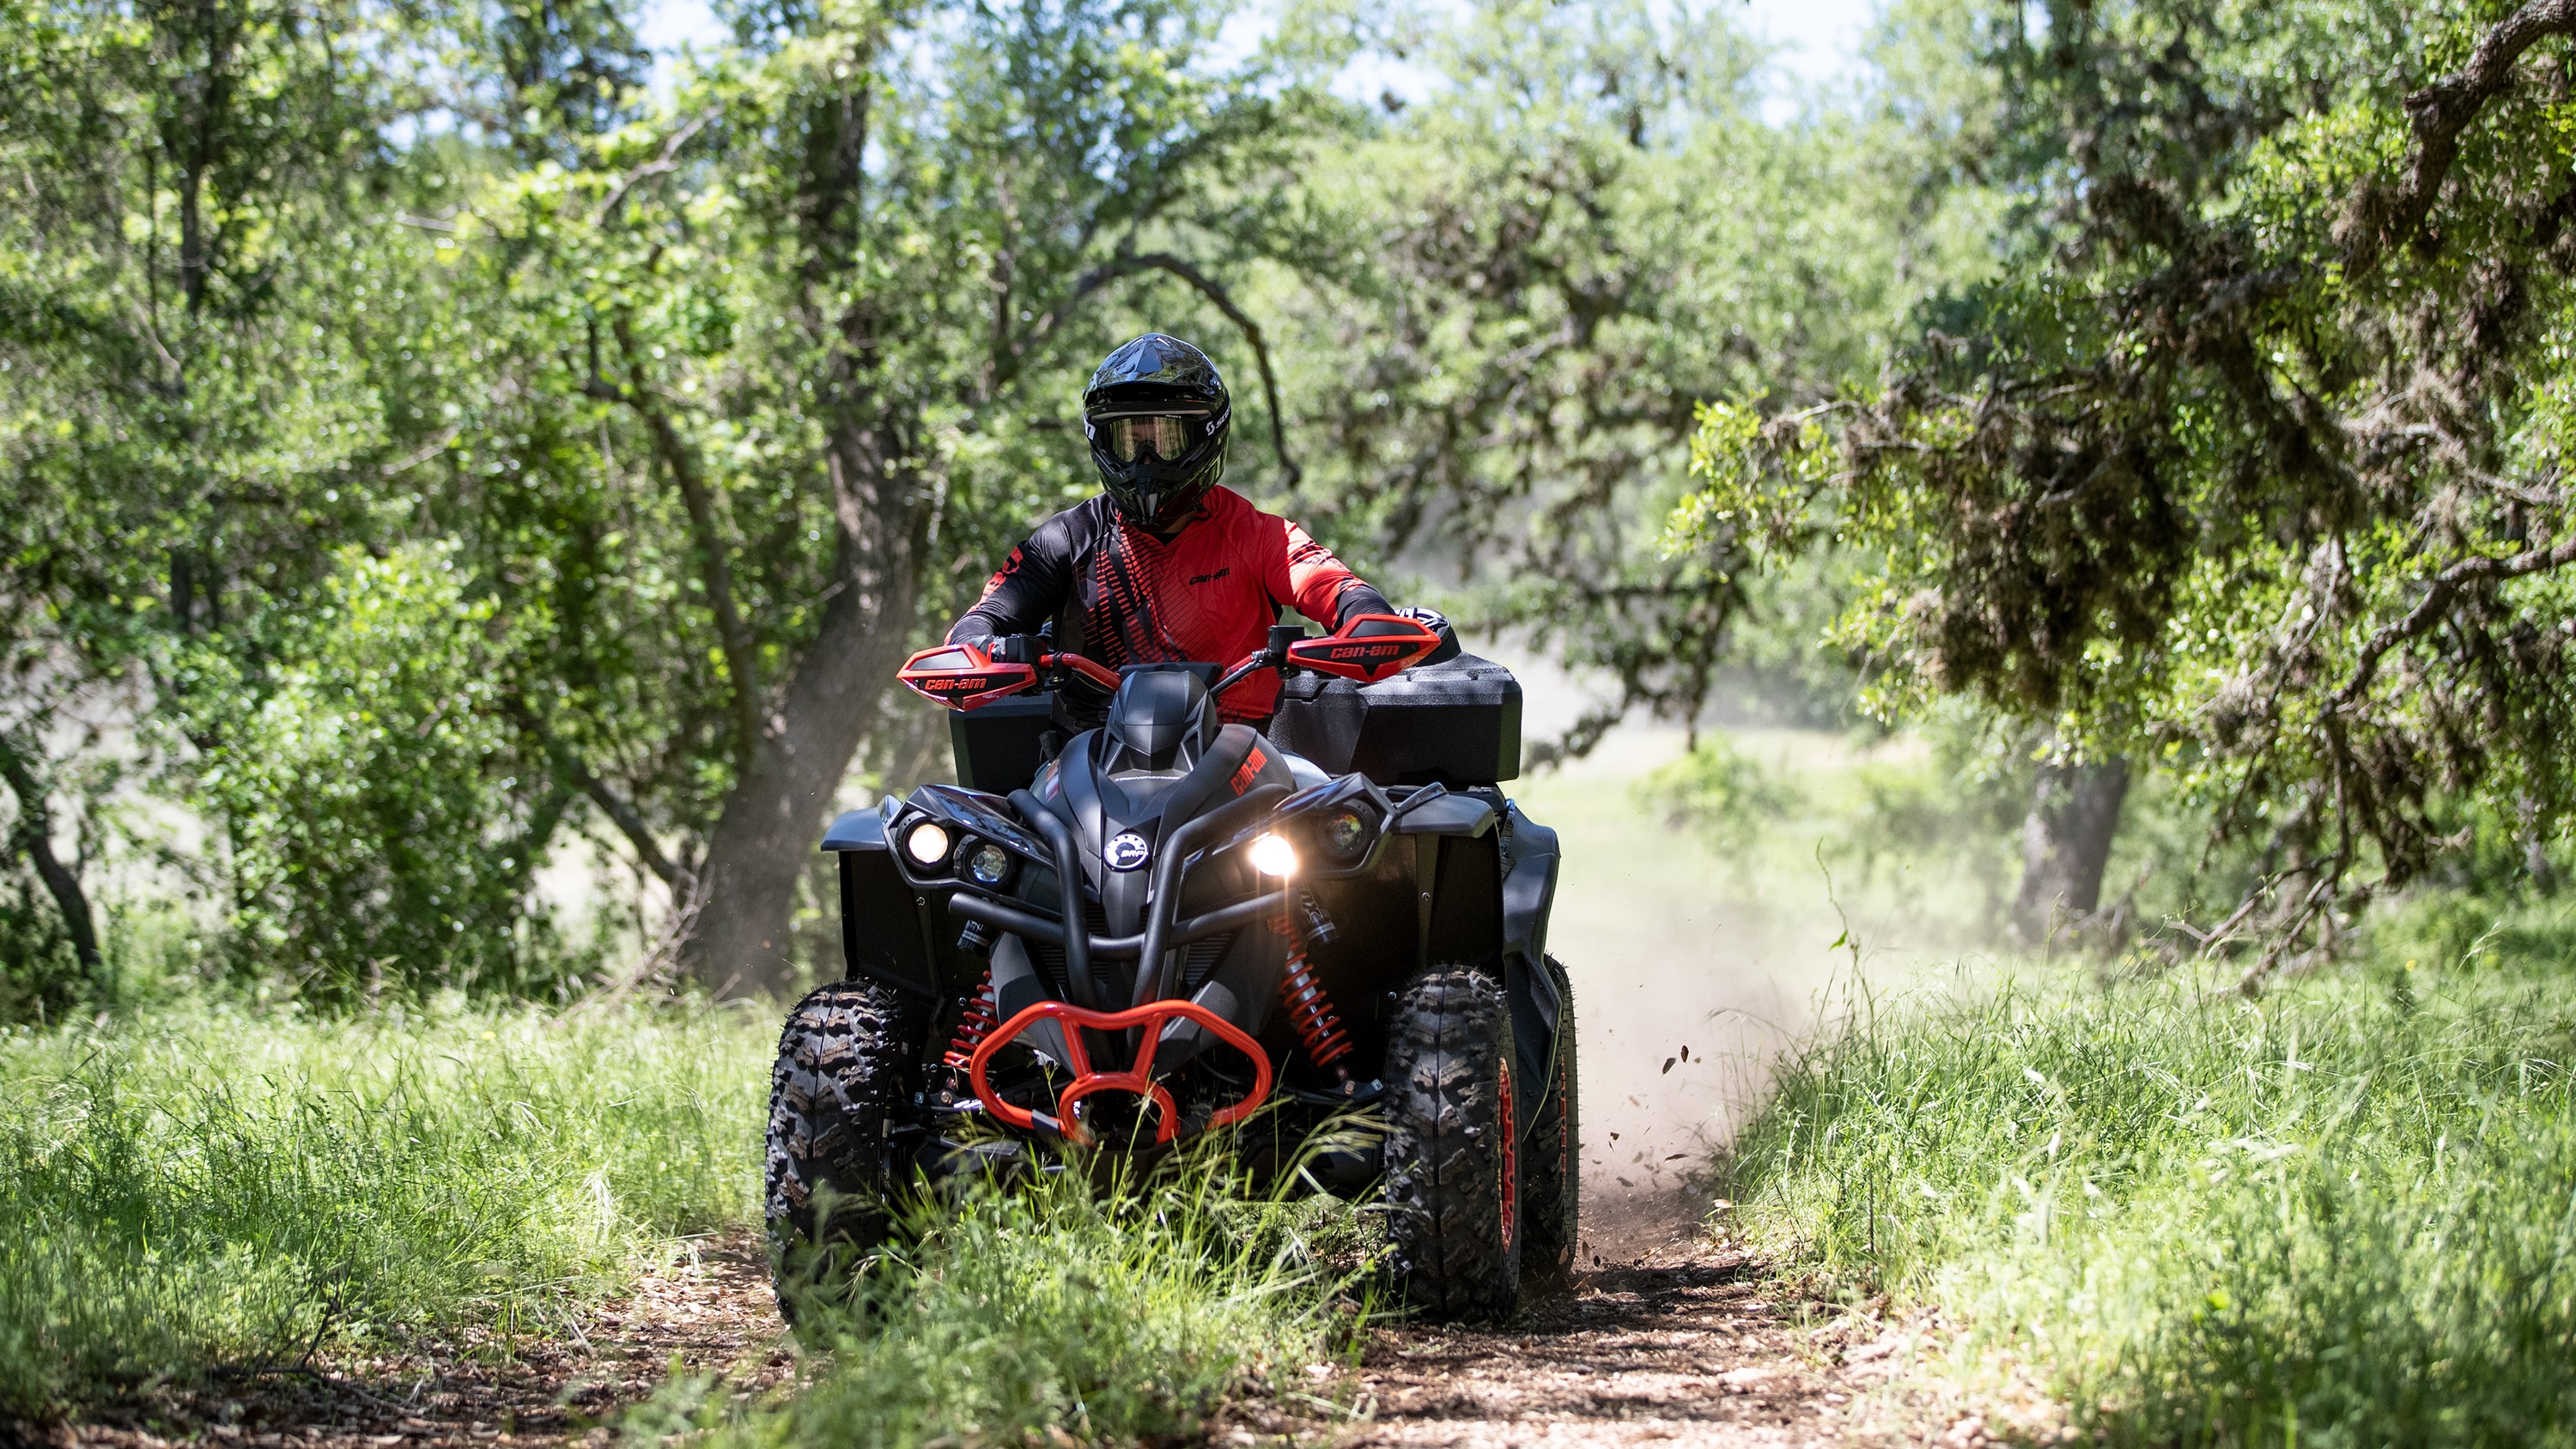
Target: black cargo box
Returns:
[[998, 745], [1455, 723]]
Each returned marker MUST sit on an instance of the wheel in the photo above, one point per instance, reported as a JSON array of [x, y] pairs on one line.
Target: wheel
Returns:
[[1451, 1162], [1551, 1158], [839, 1078]]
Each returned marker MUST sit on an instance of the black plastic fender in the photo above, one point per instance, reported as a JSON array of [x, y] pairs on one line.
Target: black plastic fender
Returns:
[[1529, 894], [1458, 916], [883, 933]]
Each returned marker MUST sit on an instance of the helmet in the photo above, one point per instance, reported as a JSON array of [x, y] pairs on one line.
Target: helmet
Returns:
[[1157, 415]]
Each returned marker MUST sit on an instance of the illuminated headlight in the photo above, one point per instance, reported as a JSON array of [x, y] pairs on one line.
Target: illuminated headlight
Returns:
[[927, 844], [1345, 833], [1272, 855], [987, 863]]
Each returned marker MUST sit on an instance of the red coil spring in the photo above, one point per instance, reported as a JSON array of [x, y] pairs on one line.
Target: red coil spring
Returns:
[[1310, 1011], [974, 1026]]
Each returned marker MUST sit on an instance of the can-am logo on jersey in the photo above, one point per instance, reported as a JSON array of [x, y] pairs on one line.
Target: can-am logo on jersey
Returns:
[[1127, 851]]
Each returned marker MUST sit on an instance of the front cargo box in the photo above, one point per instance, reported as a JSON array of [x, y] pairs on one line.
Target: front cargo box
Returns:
[[1454, 723], [1000, 746]]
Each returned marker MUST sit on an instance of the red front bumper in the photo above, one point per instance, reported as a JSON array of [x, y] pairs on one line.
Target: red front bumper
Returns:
[[1139, 1079]]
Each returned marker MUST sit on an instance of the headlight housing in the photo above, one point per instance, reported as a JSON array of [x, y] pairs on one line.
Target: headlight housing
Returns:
[[1344, 834], [928, 844], [987, 864], [1273, 855]]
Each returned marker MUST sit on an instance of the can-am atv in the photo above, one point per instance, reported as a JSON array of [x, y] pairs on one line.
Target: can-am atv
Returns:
[[1130, 934]]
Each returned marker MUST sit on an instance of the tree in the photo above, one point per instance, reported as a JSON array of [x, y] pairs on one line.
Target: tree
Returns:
[[1516, 290], [2249, 463], [841, 306]]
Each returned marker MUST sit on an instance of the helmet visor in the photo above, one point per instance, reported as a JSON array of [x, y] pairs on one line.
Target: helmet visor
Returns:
[[1170, 435]]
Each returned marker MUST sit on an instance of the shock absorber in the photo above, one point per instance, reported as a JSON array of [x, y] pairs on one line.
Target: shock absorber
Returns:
[[974, 1026], [1310, 1010]]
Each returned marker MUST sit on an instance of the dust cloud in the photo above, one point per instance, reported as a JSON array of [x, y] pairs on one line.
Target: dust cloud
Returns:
[[1691, 973]]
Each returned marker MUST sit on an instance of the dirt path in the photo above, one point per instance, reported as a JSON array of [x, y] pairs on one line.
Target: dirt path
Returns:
[[1690, 1345], [709, 1312]]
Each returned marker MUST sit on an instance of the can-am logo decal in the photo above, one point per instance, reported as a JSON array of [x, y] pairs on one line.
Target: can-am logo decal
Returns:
[[1250, 770], [1127, 852]]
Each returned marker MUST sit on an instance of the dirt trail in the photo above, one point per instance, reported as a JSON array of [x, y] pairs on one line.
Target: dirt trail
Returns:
[[1689, 1345], [709, 1312]]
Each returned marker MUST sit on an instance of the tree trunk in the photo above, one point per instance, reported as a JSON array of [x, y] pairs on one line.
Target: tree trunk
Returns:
[[774, 816], [34, 835], [2065, 844]]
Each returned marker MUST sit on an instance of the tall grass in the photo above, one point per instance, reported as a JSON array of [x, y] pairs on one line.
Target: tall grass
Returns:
[[2343, 1215], [1121, 1314], [214, 1186]]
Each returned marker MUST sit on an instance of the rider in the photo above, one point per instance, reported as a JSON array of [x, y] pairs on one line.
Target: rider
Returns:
[[1165, 564]]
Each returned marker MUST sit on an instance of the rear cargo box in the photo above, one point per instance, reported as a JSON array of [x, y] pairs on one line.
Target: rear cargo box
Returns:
[[1456, 723]]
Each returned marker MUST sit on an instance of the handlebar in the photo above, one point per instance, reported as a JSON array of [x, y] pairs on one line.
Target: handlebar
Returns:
[[1365, 649]]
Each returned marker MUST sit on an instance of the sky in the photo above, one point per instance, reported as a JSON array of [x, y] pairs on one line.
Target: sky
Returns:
[[1819, 40]]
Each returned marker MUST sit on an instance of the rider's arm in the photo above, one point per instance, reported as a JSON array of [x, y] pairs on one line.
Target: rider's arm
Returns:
[[1029, 588], [1304, 575]]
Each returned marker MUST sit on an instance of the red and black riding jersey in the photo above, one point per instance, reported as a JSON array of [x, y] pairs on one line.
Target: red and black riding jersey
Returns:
[[1122, 596]]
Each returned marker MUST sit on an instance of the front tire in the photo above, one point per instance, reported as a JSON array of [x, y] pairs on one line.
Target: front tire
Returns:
[[1452, 1188], [837, 1085]]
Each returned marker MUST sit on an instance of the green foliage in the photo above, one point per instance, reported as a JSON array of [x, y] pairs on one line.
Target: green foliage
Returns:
[[2202, 1219], [1514, 293], [1715, 790], [1117, 1314], [209, 1186], [367, 792], [2302, 548], [40, 977]]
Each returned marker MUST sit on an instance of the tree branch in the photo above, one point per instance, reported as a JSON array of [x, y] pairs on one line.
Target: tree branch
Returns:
[[741, 660], [661, 165], [34, 835], [1129, 264], [2381, 219], [568, 766], [2430, 609]]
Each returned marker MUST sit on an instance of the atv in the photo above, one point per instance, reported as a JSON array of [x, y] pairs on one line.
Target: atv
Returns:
[[1130, 926]]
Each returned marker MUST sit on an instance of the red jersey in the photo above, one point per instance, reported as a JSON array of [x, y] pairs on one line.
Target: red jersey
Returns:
[[1121, 595]]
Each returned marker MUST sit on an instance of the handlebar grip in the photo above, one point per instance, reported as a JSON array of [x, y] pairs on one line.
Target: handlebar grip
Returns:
[[1090, 669]]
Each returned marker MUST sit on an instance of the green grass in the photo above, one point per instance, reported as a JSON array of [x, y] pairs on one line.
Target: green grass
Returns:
[[1121, 1314], [2345, 1214], [215, 1187]]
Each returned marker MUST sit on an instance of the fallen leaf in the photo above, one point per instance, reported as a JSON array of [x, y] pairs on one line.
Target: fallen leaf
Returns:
[[1668, 1063]]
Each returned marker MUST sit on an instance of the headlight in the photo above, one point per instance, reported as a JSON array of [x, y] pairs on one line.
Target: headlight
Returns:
[[1272, 855], [988, 863], [927, 844], [1346, 833]]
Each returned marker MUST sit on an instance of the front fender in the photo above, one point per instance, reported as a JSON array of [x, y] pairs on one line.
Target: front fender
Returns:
[[884, 930]]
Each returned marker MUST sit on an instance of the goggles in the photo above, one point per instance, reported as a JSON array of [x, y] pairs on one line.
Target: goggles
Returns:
[[1170, 435]]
